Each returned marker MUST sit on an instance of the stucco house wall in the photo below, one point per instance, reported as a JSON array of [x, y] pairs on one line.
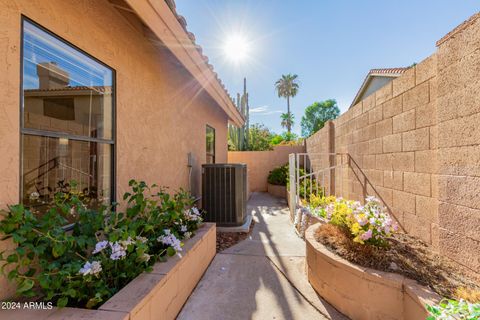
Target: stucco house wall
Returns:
[[161, 110], [416, 141]]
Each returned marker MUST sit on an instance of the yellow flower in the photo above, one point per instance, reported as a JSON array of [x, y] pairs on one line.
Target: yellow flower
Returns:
[[358, 240], [355, 228]]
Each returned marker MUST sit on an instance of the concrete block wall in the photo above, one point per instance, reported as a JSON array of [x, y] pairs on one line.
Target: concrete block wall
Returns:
[[416, 144], [458, 104]]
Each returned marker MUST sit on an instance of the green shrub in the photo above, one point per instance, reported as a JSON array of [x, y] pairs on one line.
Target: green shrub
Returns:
[[453, 309], [105, 250], [279, 176]]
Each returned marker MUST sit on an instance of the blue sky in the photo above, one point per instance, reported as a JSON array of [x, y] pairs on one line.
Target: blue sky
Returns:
[[331, 45]]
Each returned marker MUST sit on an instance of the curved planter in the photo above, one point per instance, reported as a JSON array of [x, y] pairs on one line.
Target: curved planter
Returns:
[[363, 293], [277, 191], [159, 294]]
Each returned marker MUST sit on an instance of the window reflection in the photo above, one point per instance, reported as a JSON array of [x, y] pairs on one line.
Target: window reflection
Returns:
[[64, 90], [51, 164], [67, 124], [210, 137]]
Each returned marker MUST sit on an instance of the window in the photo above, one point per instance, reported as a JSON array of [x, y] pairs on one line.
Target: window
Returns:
[[210, 135], [67, 122]]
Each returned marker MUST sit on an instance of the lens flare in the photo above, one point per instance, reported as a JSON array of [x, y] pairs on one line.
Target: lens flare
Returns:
[[236, 48]]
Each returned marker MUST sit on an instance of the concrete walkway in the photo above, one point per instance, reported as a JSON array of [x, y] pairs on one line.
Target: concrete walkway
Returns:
[[262, 277]]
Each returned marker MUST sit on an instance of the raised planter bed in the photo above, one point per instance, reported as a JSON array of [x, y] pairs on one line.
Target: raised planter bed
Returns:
[[276, 190], [363, 293], [159, 294]]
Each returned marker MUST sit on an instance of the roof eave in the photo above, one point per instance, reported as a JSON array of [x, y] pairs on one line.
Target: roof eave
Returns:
[[367, 80], [163, 23]]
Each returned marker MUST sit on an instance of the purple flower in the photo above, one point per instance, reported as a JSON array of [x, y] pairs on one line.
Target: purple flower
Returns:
[[367, 235], [100, 246], [92, 268], [118, 252]]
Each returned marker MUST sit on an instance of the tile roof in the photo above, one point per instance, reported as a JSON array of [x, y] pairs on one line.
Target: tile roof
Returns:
[[379, 72], [388, 71], [183, 22]]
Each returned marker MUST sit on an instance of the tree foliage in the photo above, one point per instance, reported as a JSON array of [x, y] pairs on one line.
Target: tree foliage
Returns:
[[317, 114], [260, 137], [287, 86], [287, 120]]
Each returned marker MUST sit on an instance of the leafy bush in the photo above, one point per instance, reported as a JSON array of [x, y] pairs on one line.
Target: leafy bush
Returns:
[[368, 224], [105, 250], [453, 309], [279, 176], [306, 187], [309, 187]]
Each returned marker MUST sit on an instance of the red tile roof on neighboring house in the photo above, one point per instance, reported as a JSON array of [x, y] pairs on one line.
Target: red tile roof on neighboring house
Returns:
[[105, 89], [388, 71], [381, 72]]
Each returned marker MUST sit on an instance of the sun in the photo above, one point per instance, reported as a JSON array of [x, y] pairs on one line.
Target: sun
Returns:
[[236, 48]]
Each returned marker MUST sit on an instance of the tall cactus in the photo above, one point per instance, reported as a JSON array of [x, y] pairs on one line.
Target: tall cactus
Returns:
[[239, 136]]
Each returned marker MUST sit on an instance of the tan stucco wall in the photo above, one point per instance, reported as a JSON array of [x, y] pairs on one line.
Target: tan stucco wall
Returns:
[[417, 141], [260, 163], [161, 111]]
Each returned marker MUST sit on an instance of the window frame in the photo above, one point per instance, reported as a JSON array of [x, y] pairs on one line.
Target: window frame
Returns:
[[51, 134], [214, 140]]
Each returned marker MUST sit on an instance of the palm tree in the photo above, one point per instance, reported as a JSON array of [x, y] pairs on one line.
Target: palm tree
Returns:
[[287, 120], [287, 86]]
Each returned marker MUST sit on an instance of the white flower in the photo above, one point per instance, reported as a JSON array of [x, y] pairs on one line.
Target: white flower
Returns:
[[193, 214], [118, 252], [170, 240], [34, 196], [145, 257], [188, 235], [93, 268], [141, 239], [100, 246], [127, 242], [73, 212], [183, 228]]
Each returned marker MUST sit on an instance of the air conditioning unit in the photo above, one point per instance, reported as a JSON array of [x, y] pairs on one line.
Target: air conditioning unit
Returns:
[[224, 193]]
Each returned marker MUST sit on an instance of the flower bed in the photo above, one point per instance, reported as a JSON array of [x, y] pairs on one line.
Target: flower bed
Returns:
[[363, 293], [356, 246], [105, 249], [160, 293]]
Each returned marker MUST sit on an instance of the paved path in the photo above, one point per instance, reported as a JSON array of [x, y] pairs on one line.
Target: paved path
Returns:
[[262, 277]]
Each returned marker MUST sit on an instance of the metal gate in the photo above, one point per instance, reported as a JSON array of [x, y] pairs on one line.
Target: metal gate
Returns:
[[313, 173]]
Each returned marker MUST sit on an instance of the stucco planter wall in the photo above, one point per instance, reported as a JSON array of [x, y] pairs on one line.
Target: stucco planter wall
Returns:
[[277, 191], [159, 294], [363, 293]]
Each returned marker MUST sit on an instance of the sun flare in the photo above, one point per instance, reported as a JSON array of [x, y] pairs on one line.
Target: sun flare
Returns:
[[236, 48]]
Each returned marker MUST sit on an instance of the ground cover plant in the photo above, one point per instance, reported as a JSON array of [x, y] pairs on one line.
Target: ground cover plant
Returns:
[[366, 235], [105, 250], [453, 309]]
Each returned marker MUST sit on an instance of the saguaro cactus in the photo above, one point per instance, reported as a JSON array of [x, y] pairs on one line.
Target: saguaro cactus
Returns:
[[239, 136]]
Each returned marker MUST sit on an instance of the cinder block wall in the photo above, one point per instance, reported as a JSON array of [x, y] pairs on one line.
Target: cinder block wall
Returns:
[[458, 106], [417, 141]]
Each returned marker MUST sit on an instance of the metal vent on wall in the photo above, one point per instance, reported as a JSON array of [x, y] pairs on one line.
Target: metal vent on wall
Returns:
[[224, 193]]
